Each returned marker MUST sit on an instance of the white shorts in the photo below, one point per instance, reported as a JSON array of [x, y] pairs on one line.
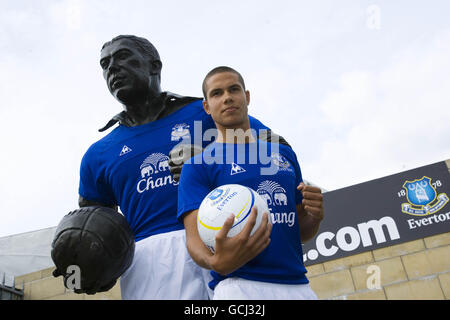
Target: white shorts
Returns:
[[243, 289], [162, 269]]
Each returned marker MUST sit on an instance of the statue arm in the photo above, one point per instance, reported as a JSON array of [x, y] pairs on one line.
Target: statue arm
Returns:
[[82, 202], [270, 136]]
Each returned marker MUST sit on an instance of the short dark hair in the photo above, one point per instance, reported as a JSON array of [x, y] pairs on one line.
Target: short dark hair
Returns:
[[142, 44], [220, 70]]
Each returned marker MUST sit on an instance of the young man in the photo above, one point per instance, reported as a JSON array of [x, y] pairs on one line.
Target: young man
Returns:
[[130, 168], [277, 272]]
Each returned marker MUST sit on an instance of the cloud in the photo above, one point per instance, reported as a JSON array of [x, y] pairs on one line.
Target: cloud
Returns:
[[309, 67], [353, 102], [389, 120]]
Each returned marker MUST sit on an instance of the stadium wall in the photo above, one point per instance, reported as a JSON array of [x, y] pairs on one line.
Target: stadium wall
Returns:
[[413, 270], [41, 285]]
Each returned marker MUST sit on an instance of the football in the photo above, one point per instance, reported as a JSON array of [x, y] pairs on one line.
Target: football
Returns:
[[217, 206], [97, 240]]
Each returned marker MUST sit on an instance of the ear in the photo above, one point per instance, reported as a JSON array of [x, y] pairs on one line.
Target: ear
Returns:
[[247, 95], [155, 67], [206, 106]]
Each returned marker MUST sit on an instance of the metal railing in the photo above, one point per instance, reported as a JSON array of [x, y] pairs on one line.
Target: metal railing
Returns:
[[8, 290]]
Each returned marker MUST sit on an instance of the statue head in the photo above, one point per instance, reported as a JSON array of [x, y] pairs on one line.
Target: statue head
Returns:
[[131, 68]]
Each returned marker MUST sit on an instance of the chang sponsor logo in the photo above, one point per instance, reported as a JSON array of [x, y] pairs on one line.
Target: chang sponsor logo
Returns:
[[350, 238], [276, 200], [154, 173], [272, 192]]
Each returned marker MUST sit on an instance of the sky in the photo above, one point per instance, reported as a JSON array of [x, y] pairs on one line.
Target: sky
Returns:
[[360, 89]]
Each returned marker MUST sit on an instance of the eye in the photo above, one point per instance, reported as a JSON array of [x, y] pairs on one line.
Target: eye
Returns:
[[215, 93], [104, 63], [122, 55]]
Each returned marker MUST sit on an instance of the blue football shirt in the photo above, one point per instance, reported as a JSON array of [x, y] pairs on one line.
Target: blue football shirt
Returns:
[[129, 168], [272, 170]]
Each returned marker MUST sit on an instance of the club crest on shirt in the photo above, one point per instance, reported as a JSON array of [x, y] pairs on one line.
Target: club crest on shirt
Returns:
[[180, 131], [281, 162]]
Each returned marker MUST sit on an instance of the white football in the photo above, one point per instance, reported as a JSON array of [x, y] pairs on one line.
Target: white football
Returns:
[[217, 206]]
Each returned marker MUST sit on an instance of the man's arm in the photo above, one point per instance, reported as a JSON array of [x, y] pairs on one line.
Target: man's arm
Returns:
[[230, 253], [310, 211], [82, 202]]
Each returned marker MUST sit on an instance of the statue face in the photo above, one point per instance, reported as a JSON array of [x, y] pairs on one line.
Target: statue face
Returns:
[[126, 71]]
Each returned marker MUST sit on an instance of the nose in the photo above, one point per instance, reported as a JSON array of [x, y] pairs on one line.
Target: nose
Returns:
[[110, 70], [227, 98], [113, 67]]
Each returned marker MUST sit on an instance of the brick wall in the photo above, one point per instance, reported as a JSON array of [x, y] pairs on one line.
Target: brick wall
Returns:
[[41, 285], [419, 269]]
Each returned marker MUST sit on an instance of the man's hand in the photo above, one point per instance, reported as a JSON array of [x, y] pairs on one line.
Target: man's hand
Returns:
[[179, 155], [312, 202], [310, 211], [232, 253]]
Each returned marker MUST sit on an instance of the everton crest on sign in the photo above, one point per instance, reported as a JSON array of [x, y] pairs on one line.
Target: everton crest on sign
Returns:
[[402, 207], [422, 197]]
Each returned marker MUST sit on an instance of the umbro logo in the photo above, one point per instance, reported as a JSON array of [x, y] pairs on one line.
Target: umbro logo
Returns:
[[235, 169], [125, 150]]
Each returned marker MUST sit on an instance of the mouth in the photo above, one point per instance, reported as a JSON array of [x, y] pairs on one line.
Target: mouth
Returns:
[[230, 110], [116, 82]]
